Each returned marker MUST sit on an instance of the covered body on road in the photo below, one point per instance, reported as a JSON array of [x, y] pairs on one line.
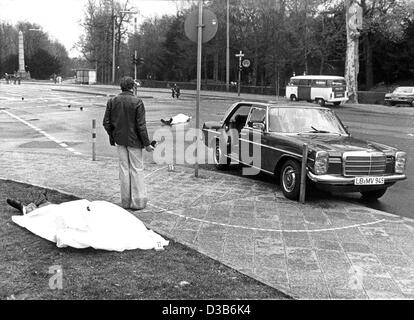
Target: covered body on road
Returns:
[[97, 224]]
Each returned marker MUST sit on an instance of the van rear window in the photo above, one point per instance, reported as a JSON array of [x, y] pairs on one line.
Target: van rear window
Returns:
[[337, 83]]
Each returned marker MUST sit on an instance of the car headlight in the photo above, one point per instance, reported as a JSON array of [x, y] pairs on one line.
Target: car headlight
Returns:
[[400, 160], [321, 162]]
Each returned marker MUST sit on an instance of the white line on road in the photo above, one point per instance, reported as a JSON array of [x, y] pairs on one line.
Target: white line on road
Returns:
[[162, 210], [63, 145]]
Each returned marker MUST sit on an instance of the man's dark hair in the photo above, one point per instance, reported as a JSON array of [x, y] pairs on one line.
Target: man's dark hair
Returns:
[[127, 84]]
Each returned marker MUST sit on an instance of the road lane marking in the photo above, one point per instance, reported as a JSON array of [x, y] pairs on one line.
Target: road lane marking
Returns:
[[162, 210], [60, 143], [171, 212]]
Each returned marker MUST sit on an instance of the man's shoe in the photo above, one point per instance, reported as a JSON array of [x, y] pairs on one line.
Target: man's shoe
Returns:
[[16, 204]]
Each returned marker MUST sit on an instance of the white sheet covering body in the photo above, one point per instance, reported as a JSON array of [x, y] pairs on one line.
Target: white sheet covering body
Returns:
[[97, 224], [180, 118]]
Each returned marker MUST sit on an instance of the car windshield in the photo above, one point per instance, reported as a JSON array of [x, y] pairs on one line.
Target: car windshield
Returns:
[[304, 120], [404, 90]]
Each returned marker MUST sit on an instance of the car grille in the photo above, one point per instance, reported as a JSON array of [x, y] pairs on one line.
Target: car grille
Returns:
[[364, 163]]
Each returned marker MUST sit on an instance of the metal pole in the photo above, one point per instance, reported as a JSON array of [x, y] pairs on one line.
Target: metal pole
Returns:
[[135, 70], [93, 139], [303, 173], [228, 48], [240, 55], [199, 47], [113, 50], [238, 82]]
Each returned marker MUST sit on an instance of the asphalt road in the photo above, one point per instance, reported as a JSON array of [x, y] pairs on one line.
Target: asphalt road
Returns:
[[43, 122]]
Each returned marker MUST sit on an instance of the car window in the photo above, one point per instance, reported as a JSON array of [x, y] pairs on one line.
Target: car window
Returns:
[[294, 82], [304, 82], [257, 115], [404, 90], [243, 111], [337, 83], [319, 83], [239, 117]]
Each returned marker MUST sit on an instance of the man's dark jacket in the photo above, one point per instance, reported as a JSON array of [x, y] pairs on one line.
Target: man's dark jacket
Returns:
[[124, 121]]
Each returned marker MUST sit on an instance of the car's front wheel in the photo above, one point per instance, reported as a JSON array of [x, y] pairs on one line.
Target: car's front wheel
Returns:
[[290, 179], [412, 103], [373, 194], [293, 98]]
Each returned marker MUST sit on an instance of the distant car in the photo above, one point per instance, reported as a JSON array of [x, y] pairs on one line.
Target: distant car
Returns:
[[336, 161], [403, 95]]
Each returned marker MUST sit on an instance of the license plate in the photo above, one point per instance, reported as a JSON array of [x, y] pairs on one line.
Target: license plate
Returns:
[[339, 95], [363, 181]]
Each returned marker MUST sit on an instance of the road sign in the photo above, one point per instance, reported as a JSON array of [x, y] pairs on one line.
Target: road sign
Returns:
[[246, 63], [210, 25]]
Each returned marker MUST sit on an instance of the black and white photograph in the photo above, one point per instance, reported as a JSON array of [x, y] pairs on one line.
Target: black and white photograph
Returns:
[[206, 156]]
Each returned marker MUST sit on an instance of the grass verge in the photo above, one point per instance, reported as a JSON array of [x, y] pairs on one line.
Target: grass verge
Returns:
[[178, 272]]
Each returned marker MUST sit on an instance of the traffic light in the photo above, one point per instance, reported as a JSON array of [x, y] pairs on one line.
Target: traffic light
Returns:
[[137, 61]]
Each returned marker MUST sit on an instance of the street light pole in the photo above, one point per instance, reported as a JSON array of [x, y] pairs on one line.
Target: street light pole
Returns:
[[199, 50], [113, 49], [228, 47], [240, 55]]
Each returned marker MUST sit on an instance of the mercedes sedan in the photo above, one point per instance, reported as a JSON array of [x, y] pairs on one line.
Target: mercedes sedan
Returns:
[[271, 138]]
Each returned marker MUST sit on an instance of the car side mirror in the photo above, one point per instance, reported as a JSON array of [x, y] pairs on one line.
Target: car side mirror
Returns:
[[257, 125]]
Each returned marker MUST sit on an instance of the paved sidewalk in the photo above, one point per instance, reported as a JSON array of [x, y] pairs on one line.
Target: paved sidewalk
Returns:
[[320, 250]]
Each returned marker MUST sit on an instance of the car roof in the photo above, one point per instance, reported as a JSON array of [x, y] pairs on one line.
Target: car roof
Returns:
[[286, 105], [318, 77]]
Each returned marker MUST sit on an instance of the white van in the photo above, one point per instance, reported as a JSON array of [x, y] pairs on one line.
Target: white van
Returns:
[[319, 88]]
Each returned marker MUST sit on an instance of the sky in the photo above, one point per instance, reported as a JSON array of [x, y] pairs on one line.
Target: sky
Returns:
[[60, 18]]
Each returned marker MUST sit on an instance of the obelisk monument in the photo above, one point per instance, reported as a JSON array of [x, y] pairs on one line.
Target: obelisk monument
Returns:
[[22, 69]]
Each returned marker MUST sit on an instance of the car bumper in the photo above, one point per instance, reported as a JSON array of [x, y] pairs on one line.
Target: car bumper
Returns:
[[341, 99], [349, 181], [398, 100]]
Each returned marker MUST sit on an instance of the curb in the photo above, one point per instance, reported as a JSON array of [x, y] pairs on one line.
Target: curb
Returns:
[[85, 92]]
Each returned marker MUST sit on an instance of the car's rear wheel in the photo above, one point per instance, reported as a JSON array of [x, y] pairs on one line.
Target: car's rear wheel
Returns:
[[337, 103], [412, 103], [392, 103], [321, 102], [373, 194], [290, 179], [293, 98], [221, 161]]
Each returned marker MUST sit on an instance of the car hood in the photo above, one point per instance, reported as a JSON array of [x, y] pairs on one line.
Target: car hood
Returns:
[[340, 144]]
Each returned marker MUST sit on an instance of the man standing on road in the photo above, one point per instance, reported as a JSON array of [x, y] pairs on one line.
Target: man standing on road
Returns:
[[125, 123]]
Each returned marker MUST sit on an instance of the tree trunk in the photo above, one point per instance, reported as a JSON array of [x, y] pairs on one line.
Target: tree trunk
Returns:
[[352, 58]]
